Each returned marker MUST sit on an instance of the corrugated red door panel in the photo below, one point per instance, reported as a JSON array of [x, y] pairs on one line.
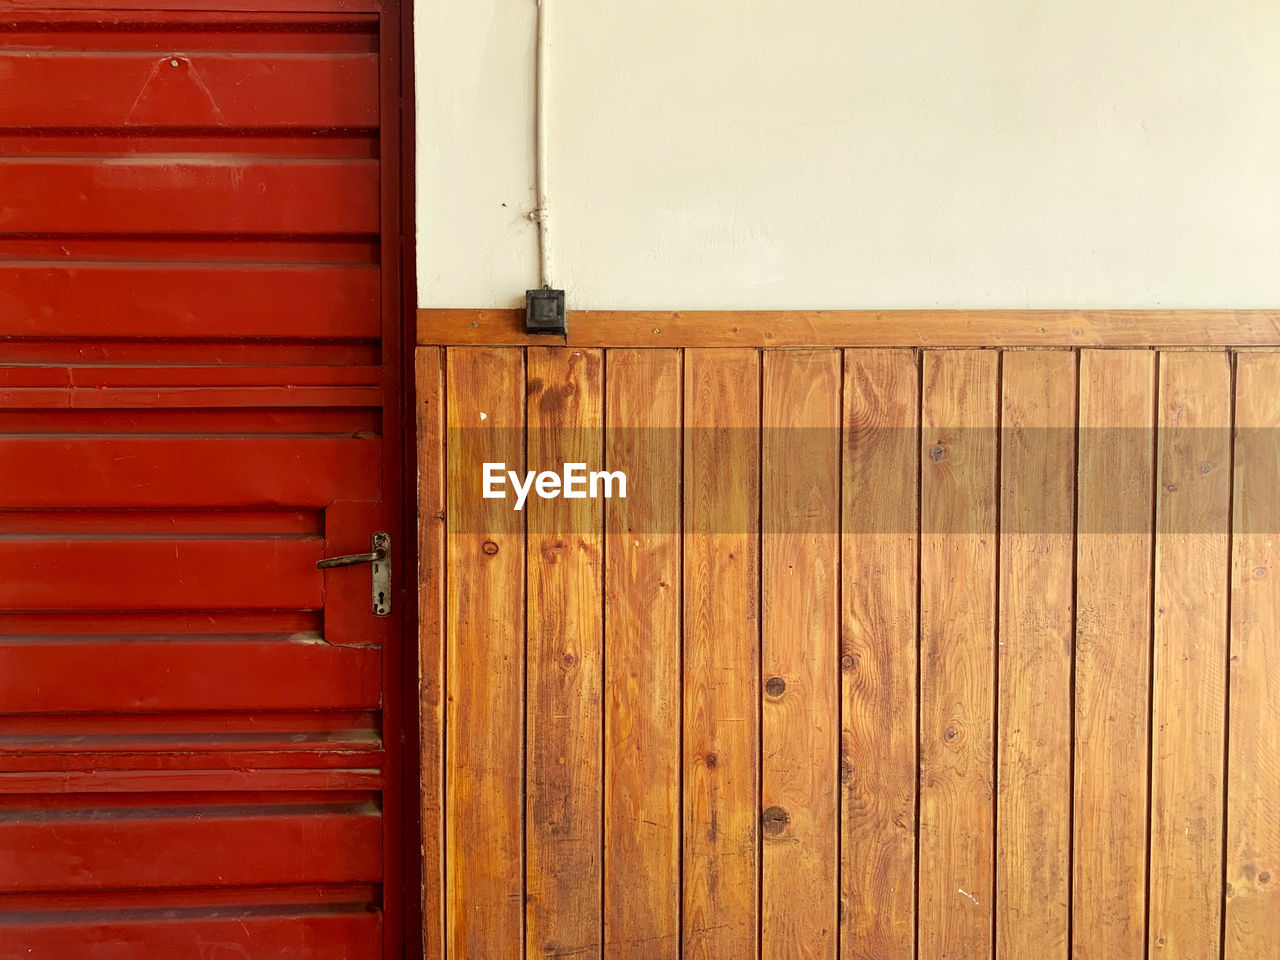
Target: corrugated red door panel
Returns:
[[181, 673], [86, 299], [197, 278], [215, 375], [200, 844], [282, 933], [240, 90], [158, 195], [203, 471], [159, 574]]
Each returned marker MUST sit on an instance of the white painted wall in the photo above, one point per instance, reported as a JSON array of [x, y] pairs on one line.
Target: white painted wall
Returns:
[[855, 153]]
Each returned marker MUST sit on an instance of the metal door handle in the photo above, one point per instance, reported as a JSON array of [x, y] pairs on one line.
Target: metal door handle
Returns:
[[380, 557], [351, 559]]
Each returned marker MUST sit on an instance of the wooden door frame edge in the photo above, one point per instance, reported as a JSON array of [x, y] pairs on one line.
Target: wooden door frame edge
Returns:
[[860, 328], [421, 937]]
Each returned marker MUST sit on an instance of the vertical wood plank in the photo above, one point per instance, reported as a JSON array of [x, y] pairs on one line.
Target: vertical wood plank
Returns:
[[722, 654], [957, 672], [485, 626], [1037, 524], [1189, 662], [878, 661], [1113, 645], [429, 377], [1253, 765], [799, 649], [565, 627], [643, 419]]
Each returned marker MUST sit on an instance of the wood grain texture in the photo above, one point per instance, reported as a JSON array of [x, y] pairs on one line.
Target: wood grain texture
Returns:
[[565, 629], [485, 623], [1253, 763], [1113, 646], [430, 399], [721, 654], [959, 408], [1033, 777], [866, 328], [644, 399], [702, 765], [800, 571], [1189, 654], [878, 654]]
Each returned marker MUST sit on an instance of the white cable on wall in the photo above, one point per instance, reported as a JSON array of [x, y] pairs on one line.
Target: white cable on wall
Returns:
[[540, 212]]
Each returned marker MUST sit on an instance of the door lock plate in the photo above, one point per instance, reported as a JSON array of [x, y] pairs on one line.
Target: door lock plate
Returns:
[[381, 543], [379, 556]]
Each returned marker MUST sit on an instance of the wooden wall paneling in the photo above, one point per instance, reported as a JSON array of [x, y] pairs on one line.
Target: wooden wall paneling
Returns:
[[721, 654], [1014, 746], [485, 623], [1113, 646], [800, 571], [1033, 774], [563, 720], [1189, 654], [958, 650], [878, 654], [643, 416], [1253, 758]]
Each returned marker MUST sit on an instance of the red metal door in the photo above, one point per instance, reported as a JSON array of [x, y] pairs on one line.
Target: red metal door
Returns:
[[199, 399]]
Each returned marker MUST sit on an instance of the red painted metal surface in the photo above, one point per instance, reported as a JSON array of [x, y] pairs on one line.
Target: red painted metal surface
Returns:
[[200, 396], [91, 299]]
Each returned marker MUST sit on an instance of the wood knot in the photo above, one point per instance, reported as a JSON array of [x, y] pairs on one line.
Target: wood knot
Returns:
[[848, 662], [937, 452], [489, 548], [846, 771], [774, 686], [1264, 877], [950, 733], [775, 820], [712, 760], [1260, 573]]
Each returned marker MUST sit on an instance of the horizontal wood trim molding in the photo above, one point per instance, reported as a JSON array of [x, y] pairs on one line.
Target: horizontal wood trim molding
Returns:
[[864, 328]]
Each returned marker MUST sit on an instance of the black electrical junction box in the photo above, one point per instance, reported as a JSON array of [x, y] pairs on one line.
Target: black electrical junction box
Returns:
[[544, 312]]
